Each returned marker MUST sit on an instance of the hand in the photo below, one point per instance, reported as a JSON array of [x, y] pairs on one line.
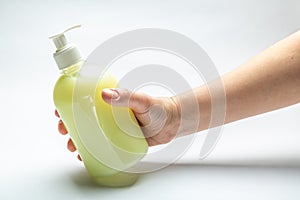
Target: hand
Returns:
[[159, 118], [63, 131]]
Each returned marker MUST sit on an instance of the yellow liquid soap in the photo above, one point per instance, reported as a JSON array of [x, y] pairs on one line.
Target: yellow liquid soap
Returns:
[[108, 139]]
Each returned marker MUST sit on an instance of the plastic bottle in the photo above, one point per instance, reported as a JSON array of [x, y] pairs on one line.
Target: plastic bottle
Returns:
[[105, 146]]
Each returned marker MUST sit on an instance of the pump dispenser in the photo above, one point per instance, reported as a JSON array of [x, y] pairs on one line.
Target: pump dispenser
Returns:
[[66, 54], [111, 142]]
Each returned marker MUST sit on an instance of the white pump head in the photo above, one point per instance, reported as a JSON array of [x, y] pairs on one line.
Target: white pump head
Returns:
[[66, 54]]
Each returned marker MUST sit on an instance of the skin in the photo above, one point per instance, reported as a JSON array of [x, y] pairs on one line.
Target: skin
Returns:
[[269, 81]]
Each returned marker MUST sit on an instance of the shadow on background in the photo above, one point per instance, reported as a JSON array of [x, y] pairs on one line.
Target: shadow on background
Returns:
[[208, 171]]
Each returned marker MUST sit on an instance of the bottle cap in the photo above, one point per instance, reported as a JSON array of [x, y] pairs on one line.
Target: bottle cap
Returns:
[[66, 54]]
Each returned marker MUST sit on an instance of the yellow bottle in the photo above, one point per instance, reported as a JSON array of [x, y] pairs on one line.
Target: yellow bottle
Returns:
[[108, 147]]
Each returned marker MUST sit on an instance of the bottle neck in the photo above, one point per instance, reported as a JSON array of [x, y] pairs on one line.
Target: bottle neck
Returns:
[[72, 70]]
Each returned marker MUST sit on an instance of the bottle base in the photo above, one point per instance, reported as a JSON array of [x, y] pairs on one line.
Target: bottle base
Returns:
[[120, 179]]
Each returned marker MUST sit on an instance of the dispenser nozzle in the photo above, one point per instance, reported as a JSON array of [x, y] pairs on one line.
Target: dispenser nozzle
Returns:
[[66, 54]]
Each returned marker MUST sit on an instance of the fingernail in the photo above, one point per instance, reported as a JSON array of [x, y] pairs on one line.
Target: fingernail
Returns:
[[112, 93], [56, 113], [79, 157]]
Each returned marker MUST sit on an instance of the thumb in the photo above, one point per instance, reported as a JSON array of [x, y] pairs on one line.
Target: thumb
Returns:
[[138, 102]]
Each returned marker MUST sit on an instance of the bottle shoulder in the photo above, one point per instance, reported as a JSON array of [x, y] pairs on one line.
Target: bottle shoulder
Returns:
[[63, 88], [65, 80]]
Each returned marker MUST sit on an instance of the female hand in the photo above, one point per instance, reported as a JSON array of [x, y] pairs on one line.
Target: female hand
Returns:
[[159, 118]]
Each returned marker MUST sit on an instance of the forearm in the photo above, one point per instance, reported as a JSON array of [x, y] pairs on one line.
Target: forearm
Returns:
[[269, 81]]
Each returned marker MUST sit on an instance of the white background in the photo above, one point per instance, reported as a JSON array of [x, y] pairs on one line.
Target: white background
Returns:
[[256, 158]]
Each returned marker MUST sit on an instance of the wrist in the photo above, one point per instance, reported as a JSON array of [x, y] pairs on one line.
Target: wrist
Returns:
[[175, 108]]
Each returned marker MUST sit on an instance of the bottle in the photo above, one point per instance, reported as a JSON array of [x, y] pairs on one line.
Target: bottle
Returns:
[[106, 148]]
